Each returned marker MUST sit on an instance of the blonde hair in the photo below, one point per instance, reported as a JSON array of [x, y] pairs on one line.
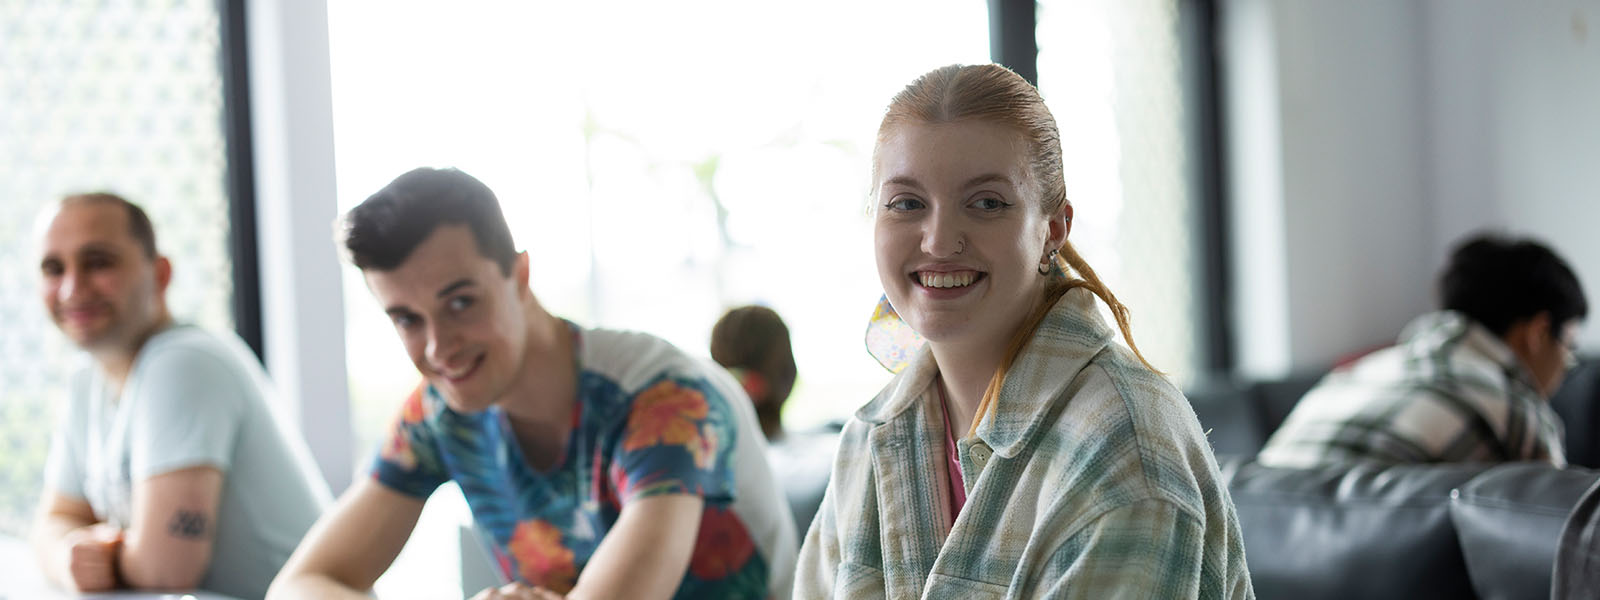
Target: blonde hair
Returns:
[[994, 93]]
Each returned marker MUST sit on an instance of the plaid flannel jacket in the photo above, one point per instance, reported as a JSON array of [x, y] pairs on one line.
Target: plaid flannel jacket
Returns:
[[1090, 479], [1450, 391]]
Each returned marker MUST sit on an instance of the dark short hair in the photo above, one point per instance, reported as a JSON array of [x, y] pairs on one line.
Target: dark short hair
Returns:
[[138, 222], [1498, 281], [755, 338], [385, 228]]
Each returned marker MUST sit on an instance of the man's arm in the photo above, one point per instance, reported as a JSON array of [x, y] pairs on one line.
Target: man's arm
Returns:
[[168, 544], [646, 553], [72, 549], [351, 545]]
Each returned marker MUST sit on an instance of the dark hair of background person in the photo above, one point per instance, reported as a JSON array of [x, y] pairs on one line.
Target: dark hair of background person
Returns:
[[755, 339], [385, 228], [1499, 281], [138, 222]]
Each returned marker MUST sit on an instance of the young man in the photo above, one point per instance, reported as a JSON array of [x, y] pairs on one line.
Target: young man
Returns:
[[1467, 383], [168, 469], [600, 464]]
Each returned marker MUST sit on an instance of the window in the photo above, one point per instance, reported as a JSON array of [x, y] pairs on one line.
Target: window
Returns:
[[118, 97], [660, 161], [666, 162], [1112, 73]]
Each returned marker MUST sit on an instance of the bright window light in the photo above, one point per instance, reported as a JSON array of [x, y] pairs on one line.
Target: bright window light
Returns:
[[660, 161]]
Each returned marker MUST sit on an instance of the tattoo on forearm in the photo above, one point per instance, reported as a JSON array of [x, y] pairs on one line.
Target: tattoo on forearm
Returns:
[[188, 524]]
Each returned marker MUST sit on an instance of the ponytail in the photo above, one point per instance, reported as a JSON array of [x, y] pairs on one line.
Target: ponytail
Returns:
[[1068, 261]]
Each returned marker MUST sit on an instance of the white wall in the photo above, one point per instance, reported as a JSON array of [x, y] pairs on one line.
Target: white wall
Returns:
[[1366, 136], [1325, 142], [1516, 127]]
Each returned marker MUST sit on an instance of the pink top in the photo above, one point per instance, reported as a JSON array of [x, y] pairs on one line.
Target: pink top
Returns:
[[958, 487]]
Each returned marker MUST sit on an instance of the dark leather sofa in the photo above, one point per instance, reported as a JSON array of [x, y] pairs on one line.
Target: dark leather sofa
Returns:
[[1414, 531]]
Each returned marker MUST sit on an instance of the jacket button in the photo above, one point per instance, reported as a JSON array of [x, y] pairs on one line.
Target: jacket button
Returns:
[[981, 454]]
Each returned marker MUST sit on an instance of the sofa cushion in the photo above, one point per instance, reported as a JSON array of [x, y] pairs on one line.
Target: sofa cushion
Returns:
[[1275, 398], [1577, 572], [1338, 532], [1228, 417], [1578, 404], [1509, 521]]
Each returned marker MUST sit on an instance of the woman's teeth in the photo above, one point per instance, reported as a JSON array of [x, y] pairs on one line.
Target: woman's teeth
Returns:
[[947, 280]]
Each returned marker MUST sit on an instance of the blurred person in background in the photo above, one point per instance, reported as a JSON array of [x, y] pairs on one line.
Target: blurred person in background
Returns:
[[169, 469], [1467, 383], [601, 464], [753, 344], [1020, 451]]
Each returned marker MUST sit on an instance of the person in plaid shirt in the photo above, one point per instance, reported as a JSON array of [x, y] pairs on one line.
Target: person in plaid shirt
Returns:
[[1081, 472], [1467, 383]]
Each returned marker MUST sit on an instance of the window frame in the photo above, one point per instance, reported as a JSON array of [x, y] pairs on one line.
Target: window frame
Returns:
[[240, 166]]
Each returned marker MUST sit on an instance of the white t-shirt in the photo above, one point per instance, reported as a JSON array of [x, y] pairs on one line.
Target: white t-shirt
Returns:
[[193, 399]]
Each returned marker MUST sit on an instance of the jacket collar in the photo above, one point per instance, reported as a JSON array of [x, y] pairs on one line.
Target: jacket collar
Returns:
[[1071, 334], [1434, 330]]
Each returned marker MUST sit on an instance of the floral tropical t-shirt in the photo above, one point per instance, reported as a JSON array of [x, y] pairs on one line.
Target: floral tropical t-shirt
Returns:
[[648, 421]]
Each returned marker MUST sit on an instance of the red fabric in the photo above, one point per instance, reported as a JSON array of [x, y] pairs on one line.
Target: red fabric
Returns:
[[958, 487]]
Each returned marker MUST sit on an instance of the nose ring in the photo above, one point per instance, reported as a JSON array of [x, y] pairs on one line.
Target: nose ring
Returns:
[[961, 247]]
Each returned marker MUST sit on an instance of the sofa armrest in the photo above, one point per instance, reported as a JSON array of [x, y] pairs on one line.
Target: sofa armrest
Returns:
[[1577, 572], [1341, 532], [1509, 521]]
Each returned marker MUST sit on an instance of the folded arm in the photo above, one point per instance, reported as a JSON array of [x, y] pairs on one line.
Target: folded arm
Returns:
[[65, 528], [167, 546]]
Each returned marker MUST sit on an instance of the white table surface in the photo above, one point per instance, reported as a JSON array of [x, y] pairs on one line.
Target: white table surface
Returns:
[[20, 579]]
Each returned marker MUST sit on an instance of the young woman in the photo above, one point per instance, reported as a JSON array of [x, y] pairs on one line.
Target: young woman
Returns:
[[752, 342], [1021, 451]]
